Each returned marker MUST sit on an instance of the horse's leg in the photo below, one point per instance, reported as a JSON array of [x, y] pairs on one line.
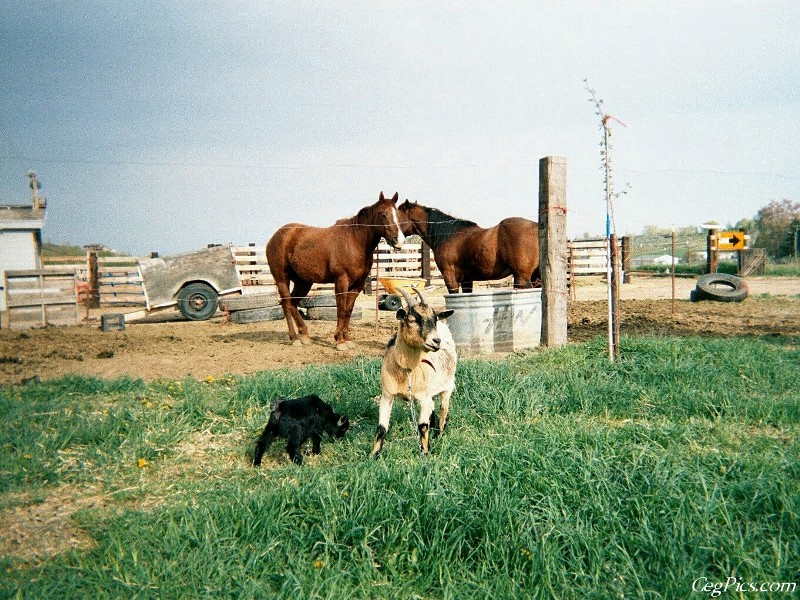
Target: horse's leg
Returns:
[[520, 283], [299, 291], [536, 277], [345, 300], [349, 300], [450, 280], [286, 304]]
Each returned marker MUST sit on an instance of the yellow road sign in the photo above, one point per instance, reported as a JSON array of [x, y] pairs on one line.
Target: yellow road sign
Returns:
[[730, 240]]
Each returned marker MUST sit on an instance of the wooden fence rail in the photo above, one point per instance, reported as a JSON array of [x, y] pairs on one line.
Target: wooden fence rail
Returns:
[[588, 257], [41, 297]]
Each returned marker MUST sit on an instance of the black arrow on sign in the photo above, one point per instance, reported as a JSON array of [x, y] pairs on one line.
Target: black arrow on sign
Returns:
[[736, 240]]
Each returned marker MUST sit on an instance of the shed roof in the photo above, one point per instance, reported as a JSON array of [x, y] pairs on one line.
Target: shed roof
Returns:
[[21, 217]]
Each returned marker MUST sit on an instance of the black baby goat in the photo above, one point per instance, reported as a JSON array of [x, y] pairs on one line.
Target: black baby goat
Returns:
[[296, 420]]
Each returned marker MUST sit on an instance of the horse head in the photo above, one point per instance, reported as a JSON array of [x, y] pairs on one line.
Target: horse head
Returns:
[[385, 217], [413, 218]]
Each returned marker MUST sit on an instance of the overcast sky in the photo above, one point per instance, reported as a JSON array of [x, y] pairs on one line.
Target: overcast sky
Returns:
[[169, 125]]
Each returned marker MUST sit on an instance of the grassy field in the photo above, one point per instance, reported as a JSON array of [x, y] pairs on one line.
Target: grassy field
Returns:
[[560, 475], [786, 268]]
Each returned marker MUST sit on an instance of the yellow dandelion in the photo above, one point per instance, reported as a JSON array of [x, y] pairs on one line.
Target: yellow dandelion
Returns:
[[318, 564], [209, 379], [26, 456], [142, 463]]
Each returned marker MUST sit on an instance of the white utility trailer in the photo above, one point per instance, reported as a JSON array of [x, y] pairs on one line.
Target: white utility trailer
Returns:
[[192, 281]]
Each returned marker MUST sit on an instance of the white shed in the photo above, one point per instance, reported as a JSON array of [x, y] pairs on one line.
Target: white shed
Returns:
[[21, 236], [665, 260]]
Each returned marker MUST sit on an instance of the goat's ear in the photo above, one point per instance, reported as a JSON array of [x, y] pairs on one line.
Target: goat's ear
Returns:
[[444, 314], [401, 314]]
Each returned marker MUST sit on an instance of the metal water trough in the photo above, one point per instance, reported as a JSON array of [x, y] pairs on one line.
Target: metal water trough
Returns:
[[495, 321]]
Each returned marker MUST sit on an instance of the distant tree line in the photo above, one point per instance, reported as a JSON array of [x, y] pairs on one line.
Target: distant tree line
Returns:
[[51, 249], [775, 227]]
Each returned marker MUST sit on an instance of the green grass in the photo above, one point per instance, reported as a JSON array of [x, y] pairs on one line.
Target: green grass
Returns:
[[785, 268], [559, 475], [724, 266]]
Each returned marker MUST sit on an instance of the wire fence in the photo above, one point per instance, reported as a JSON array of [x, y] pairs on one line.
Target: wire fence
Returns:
[[649, 255]]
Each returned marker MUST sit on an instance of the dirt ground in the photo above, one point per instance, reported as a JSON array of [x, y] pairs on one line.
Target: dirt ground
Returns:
[[167, 347]]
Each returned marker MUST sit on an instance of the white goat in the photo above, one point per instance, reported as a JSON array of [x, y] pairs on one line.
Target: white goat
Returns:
[[419, 363]]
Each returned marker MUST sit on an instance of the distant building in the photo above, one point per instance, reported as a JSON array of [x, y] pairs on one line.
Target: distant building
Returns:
[[655, 259], [666, 260], [21, 236]]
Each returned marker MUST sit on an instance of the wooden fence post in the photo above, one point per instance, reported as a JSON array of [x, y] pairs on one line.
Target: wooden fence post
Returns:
[[553, 248], [426, 263], [711, 251], [94, 279], [626, 259]]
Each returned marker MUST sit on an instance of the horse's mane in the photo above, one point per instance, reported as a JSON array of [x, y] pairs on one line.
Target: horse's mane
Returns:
[[442, 226], [362, 216]]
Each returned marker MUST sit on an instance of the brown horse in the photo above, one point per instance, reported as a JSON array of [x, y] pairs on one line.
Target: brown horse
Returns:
[[340, 254], [465, 252]]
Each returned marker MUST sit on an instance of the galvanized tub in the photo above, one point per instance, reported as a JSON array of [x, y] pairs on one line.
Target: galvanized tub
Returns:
[[495, 321]]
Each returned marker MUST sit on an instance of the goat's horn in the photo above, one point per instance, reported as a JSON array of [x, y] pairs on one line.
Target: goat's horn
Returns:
[[419, 293], [407, 296]]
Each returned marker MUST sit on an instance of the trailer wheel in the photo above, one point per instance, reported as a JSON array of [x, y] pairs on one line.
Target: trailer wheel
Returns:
[[391, 302], [197, 301]]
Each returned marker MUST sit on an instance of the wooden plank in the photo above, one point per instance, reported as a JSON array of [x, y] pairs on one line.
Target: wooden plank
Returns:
[[130, 285], [117, 261], [22, 300], [122, 286], [117, 269]]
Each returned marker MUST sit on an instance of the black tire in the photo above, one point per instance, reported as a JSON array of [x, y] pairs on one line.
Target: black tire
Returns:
[[328, 313], [254, 315], [319, 301], [721, 287], [249, 301], [197, 301], [391, 302]]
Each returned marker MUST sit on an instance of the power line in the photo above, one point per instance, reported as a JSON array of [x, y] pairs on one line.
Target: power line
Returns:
[[262, 166], [429, 167]]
